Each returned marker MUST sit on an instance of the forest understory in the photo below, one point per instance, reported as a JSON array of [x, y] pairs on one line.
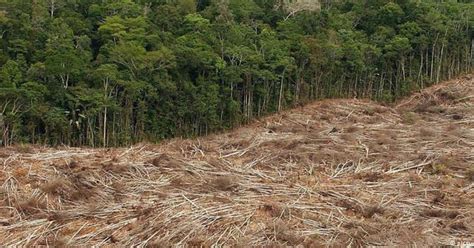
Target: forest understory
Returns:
[[332, 173]]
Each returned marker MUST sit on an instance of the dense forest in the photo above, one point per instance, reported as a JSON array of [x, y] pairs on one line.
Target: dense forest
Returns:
[[116, 72]]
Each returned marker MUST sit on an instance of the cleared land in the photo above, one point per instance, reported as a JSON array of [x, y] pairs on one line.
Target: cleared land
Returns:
[[335, 172]]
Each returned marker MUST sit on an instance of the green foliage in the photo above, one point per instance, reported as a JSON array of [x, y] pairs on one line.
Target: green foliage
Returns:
[[10, 75], [115, 72]]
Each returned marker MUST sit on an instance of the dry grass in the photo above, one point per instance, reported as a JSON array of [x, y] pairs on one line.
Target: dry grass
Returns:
[[225, 183], [53, 186], [335, 173], [410, 118], [352, 129], [31, 205], [470, 173]]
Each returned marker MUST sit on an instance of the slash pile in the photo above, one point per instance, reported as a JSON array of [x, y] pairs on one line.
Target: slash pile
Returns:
[[335, 172]]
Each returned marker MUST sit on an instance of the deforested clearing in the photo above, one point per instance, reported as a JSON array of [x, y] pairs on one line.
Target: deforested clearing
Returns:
[[335, 173]]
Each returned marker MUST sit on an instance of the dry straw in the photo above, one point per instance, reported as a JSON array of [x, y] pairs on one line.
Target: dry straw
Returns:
[[337, 172]]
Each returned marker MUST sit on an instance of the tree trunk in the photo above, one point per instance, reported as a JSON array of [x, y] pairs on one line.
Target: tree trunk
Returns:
[[432, 58], [280, 97], [440, 60], [105, 128], [420, 80]]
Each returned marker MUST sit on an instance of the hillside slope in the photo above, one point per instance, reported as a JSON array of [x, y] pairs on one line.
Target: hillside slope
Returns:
[[336, 172]]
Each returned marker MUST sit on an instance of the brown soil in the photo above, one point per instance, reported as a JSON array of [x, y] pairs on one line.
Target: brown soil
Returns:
[[333, 173]]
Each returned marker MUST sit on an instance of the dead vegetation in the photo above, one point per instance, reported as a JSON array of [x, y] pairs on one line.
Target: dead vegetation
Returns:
[[334, 173]]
